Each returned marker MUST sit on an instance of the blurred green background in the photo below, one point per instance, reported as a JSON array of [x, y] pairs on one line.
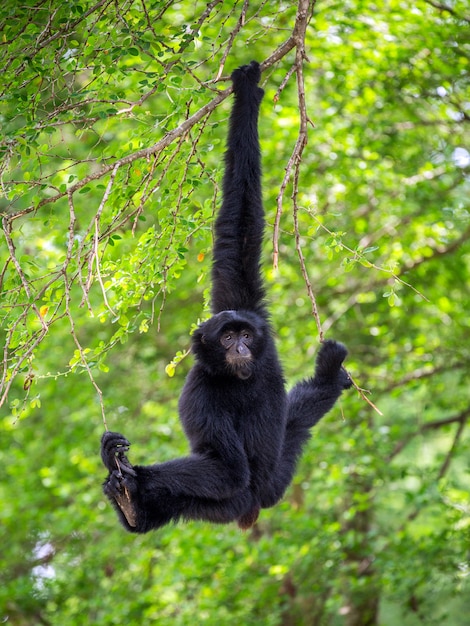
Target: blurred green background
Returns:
[[105, 270]]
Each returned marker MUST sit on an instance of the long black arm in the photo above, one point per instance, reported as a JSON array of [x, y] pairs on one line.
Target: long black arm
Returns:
[[236, 280]]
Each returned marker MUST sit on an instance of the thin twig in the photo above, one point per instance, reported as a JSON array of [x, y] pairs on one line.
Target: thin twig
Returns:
[[304, 13], [83, 358], [96, 238], [233, 34]]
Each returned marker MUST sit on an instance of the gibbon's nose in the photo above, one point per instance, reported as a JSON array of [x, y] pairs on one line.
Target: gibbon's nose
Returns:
[[242, 349]]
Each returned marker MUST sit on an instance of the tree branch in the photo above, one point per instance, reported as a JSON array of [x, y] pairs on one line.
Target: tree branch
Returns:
[[445, 7], [86, 254], [460, 418]]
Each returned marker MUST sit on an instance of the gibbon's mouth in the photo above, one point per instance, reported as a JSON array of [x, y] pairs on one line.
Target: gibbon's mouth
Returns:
[[242, 367]]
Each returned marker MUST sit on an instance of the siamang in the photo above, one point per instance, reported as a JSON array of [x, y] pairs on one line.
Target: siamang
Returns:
[[245, 431]]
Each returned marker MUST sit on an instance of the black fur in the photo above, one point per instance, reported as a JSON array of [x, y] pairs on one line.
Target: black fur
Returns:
[[245, 432]]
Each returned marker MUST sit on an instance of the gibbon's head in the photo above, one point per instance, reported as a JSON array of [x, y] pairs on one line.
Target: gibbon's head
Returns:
[[230, 343]]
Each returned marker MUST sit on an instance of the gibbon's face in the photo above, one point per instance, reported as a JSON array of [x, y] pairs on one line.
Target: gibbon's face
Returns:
[[230, 342], [238, 355]]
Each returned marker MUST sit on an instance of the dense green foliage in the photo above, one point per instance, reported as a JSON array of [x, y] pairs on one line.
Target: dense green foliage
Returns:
[[113, 118]]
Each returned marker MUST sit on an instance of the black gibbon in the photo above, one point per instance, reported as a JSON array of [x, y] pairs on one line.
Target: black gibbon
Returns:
[[245, 431]]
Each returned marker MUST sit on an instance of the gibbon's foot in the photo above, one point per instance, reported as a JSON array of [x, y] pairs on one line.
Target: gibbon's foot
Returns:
[[120, 483], [118, 488], [248, 520]]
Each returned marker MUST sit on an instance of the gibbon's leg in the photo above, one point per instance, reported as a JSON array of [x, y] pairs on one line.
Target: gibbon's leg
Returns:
[[194, 487]]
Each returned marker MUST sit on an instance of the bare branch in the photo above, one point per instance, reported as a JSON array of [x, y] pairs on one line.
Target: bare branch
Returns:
[[145, 153], [460, 418], [448, 9]]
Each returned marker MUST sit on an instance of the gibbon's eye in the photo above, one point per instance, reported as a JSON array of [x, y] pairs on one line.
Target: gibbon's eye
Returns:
[[226, 340]]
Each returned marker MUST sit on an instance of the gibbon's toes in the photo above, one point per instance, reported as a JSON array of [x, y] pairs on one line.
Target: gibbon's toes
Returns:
[[249, 519], [113, 487]]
